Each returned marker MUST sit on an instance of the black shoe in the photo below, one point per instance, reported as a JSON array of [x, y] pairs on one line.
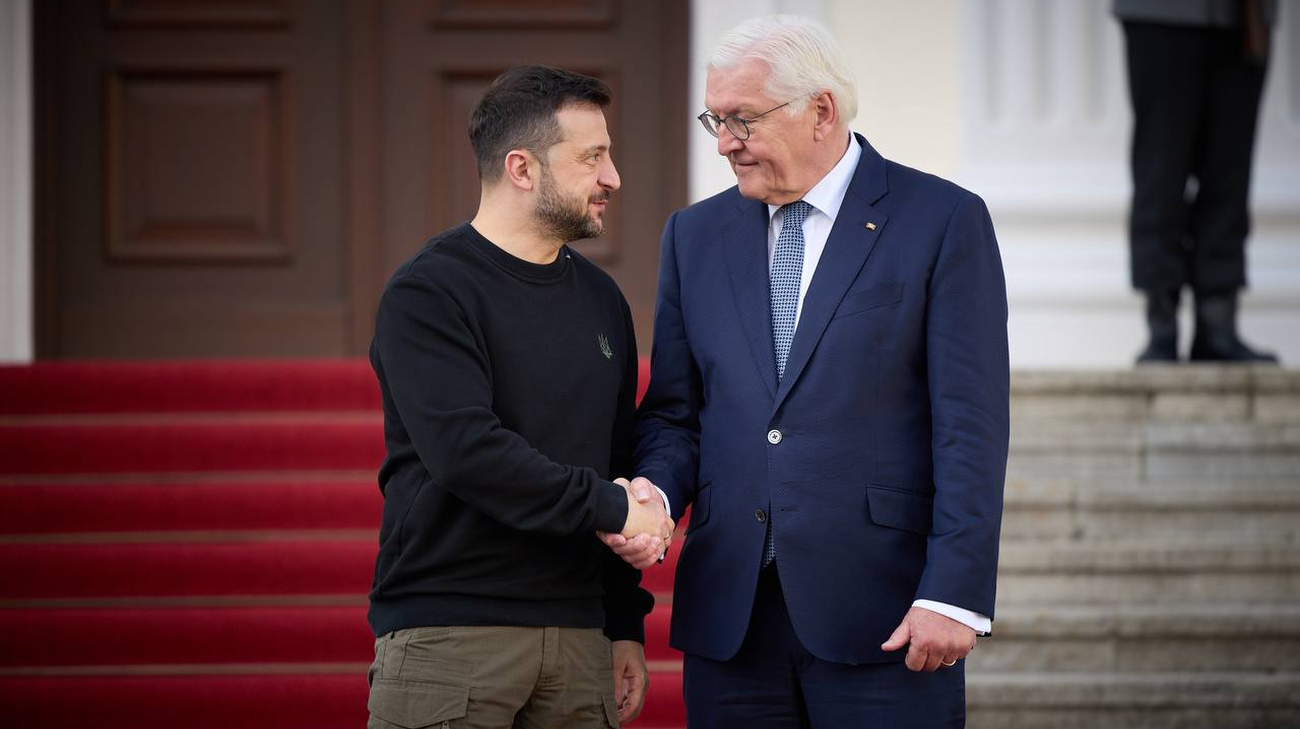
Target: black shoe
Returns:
[[1216, 337], [1162, 321]]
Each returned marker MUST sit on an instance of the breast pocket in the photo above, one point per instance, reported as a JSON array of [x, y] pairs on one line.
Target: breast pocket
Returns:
[[873, 298]]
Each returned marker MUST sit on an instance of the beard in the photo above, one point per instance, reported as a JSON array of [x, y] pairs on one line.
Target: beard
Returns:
[[566, 217]]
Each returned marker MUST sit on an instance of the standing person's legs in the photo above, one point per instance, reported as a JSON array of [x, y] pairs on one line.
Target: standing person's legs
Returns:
[[884, 695], [484, 677], [1165, 85], [1164, 70], [1220, 215], [757, 688], [575, 687], [1220, 219]]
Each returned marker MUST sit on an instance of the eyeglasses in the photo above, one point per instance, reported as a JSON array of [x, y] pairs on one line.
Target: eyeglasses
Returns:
[[738, 127]]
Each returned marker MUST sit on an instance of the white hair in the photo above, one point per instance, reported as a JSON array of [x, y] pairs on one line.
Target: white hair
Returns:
[[803, 59]]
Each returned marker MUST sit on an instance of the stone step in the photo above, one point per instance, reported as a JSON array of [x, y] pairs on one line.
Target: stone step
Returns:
[[1160, 394], [1141, 639], [1154, 451], [1044, 509], [1142, 572], [1132, 701]]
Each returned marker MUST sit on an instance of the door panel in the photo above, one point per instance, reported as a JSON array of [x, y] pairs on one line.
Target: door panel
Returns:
[[240, 178], [197, 208]]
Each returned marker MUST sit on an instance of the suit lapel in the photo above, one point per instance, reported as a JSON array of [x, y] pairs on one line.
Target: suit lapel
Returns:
[[745, 242], [857, 228]]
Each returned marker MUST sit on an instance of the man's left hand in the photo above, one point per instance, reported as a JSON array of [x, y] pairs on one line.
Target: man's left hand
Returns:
[[631, 679], [934, 640]]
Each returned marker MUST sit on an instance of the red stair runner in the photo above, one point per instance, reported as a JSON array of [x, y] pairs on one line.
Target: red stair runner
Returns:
[[208, 635], [189, 544], [191, 446], [179, 505], [188, 387]]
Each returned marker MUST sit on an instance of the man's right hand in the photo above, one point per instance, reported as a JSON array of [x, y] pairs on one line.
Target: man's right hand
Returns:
[[645, 514], [648, 531]]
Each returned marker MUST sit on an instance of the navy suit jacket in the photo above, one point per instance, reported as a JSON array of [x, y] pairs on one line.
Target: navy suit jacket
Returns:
[[885, 482]]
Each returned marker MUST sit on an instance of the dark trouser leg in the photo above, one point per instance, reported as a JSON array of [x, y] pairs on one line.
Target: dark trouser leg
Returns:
[[1220, 216], [1164, 70], [1220, 219], [757, 688], [885, 695]]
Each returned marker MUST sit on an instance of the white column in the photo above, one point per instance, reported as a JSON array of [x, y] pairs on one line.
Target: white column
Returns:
[[1045, 124], [904, 58], [16, 276]]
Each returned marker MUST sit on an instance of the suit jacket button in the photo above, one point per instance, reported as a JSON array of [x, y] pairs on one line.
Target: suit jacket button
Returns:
[[774, 436], [758, 514]]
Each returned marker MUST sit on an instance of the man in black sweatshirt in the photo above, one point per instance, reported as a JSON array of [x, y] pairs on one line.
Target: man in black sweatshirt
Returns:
[[508, 368]]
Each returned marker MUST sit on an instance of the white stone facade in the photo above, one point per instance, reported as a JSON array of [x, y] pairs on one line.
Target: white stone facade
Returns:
[[1025, 102]]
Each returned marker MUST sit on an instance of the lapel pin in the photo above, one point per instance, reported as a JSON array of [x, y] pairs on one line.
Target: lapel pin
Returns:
[[871, 226]]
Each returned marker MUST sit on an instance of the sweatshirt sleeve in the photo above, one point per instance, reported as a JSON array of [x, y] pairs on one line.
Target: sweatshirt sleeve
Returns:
[[626, 603], [436, 369]]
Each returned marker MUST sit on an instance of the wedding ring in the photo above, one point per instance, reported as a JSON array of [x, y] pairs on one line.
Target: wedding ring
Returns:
[[946, 663]]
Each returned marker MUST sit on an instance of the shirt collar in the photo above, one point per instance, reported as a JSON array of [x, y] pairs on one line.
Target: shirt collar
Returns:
[[828, 194]]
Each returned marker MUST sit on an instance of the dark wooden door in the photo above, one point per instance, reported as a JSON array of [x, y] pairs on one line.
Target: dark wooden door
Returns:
[[240, 178], [191, 155]]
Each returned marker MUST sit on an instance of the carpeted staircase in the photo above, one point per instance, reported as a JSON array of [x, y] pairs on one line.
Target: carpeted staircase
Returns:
[[188, 545]]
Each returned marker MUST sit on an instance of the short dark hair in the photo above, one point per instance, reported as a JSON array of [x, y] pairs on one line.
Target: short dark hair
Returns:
[[518, 112]]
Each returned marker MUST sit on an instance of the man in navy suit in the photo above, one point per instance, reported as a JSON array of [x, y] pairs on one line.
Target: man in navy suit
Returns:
[[829, 392]]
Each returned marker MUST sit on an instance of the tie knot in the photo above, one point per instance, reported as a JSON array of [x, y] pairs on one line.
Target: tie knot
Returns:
[[795, 212]]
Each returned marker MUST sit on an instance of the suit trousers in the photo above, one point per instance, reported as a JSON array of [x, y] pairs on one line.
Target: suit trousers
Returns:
[[774, 683], [1196, 98]]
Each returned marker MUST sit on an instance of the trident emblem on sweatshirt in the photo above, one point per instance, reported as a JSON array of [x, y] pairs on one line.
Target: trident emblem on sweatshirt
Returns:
[[604, 346]]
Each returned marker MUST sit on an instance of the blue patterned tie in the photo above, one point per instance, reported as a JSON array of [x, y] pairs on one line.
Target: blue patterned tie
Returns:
[[787, 268]]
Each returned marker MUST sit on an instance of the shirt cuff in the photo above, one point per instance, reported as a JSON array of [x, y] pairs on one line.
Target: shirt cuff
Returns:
[[981, 624], [668, 509]]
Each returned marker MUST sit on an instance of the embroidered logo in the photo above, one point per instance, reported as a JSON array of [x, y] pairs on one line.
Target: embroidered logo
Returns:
[[604, 346]]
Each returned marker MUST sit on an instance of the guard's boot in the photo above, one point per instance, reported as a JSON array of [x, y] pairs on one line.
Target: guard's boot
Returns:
[[1216, 337], [1162, 321]]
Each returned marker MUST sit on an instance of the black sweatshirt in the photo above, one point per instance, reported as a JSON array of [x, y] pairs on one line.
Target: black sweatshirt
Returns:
[[508, 389]]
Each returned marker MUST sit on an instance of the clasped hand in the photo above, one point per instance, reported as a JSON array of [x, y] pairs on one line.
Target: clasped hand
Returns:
[[648, 531]]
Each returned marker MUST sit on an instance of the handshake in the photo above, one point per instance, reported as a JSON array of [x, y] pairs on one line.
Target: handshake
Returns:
[[648, 531]]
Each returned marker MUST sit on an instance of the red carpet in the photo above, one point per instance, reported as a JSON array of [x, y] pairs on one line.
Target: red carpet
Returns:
[[188, 545], [210, 635], [188, 387], [132, 506], [191, 446]]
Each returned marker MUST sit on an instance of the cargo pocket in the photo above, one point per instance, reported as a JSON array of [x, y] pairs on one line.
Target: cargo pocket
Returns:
[[414, 704], [611, 710], [898, 509]]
